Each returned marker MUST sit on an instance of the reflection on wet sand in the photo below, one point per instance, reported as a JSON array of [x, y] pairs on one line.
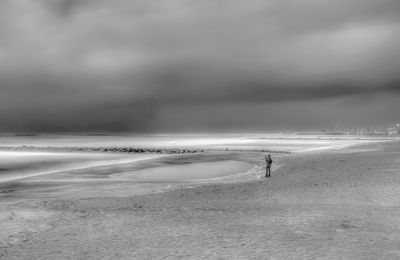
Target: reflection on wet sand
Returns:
[[192, 171]]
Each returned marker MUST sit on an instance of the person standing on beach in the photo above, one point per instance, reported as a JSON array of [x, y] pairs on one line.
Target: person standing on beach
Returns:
[[268, 161]]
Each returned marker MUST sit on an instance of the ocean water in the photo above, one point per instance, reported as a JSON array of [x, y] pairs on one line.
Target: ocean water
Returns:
[[276, 142]]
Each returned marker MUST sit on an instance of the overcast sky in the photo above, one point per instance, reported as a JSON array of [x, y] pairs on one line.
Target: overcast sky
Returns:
[[186, 65]]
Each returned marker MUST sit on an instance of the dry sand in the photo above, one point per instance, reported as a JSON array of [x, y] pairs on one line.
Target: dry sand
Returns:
[[341, 204]]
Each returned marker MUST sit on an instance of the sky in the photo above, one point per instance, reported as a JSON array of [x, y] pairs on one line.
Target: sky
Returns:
[[193, 66]]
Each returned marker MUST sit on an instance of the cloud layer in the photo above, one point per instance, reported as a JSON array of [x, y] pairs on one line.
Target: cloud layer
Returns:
[[96, 65]]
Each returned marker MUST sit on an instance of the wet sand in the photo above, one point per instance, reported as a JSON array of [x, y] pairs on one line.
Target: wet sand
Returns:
[[337, 204]]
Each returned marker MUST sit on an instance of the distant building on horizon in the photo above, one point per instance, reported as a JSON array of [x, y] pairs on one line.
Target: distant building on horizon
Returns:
[[393, 131]]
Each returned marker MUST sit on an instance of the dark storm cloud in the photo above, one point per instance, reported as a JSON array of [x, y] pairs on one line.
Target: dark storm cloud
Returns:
[[64, 8], [96, 65]]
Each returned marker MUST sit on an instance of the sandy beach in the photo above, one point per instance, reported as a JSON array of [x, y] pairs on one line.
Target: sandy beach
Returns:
[[329, 204]]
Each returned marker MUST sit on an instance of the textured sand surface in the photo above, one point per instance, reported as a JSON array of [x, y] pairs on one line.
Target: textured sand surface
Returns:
[[342, 204]]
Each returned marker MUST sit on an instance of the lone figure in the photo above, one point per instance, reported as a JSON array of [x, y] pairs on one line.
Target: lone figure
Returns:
[[268, 161]]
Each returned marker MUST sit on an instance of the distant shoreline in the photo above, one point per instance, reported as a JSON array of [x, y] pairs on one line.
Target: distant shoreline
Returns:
[[100, 149], [132, 149]]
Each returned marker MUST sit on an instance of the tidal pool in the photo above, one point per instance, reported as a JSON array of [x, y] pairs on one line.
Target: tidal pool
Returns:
[[189, 172]]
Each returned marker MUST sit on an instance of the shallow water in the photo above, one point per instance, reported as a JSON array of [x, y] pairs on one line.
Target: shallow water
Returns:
[[189, 172], [22, 165]]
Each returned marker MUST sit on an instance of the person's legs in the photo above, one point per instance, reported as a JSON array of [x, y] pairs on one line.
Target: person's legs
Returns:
[[268, 172]]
